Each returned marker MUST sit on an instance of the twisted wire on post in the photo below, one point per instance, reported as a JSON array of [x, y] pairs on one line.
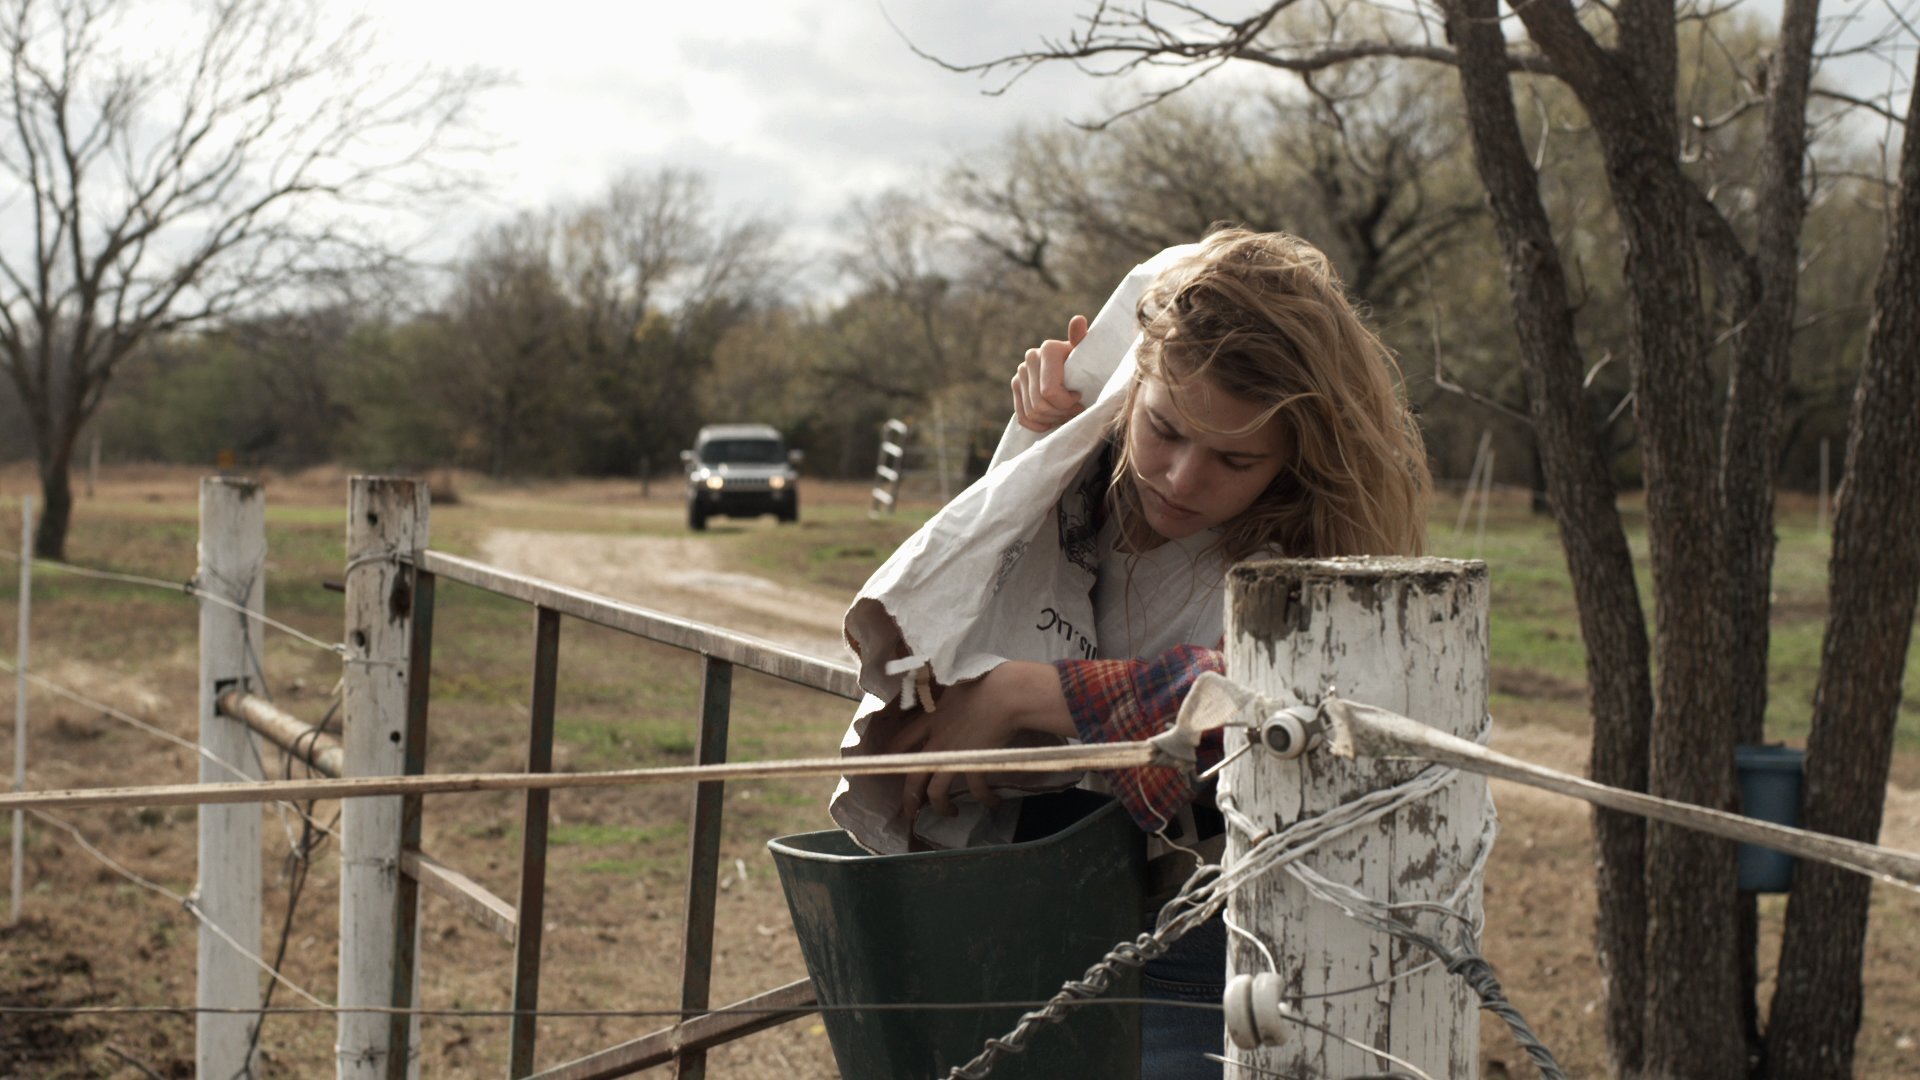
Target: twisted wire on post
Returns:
[[1205, 894], [1476, 972], [1194, 904], [1097, 980], [1466, 962], [1201, 897]]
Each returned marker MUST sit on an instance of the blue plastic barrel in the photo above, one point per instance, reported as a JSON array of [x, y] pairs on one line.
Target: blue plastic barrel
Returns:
[[1769, 791]]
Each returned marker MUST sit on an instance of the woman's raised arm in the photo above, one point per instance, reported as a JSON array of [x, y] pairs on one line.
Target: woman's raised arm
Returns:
[[1041, 400]]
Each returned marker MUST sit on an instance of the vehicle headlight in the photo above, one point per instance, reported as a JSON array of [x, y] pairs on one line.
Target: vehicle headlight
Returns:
[[716, 482], [776, 482]]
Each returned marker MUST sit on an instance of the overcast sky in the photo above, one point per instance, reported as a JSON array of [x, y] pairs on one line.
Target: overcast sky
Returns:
[[791, 107]]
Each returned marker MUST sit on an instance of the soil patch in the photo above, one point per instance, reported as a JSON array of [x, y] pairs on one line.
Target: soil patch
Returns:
[[678, 576]]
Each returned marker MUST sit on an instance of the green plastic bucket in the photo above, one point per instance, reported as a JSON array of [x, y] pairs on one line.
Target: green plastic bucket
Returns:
[[1003, 923]]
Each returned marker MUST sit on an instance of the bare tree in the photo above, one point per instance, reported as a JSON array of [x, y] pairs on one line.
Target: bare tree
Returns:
[[508, 373], [912, 325], [1701, 277], [659, 276], [1366, 166], [159, 188]]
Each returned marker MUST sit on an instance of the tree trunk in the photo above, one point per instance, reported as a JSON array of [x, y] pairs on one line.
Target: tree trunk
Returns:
[[1761, 292], [1692, 1002], [1692, 980], [56, 492], [1757, 379], [1574, 461], [1875, 573]]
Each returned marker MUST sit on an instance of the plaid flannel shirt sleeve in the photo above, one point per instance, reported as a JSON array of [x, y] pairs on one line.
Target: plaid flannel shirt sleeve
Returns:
[[1130, 700]]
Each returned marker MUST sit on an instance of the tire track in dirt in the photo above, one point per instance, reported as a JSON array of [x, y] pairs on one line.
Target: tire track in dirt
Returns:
[[676, 575]]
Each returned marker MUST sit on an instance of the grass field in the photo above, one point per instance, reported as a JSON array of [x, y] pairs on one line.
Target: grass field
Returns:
[[90, 936]]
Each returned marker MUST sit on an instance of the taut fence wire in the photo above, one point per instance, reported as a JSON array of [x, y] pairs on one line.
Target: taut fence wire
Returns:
[[583, 1014], [123, 717], [192, 588], [186, 903], [1890, 865]]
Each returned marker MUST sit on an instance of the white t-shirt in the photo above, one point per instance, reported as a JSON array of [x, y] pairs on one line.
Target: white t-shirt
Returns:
[[1149, 602]]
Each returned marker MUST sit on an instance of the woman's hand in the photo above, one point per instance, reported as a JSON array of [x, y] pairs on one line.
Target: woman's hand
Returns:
[[1011, 703], [1041, 400]]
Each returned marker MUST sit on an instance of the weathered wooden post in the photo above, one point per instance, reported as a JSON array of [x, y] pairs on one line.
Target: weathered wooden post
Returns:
[[386, 520], [233, 566], [1408, 635]]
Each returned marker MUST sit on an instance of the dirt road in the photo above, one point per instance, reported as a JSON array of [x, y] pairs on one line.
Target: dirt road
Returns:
[[677, 575]]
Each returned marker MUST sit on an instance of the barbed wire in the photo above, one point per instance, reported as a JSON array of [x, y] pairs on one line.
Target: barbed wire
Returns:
[[187, 903], [135, 722], [194, 589], [1464, 960], [579, 1014]]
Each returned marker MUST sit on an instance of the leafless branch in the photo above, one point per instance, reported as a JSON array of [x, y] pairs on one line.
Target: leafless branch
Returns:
[[159, 188], [1440, 380], [1606, 358], [1619, 410], [1115, 40], [1854, 311], [1875, 107]]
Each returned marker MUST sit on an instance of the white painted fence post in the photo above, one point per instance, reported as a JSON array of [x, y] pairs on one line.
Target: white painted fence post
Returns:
[[1408, 635], [18, 873], [386, 519], [233, 560]]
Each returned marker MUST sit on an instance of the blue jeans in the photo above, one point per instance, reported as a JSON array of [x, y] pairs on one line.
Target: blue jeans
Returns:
[[1172, 1039]]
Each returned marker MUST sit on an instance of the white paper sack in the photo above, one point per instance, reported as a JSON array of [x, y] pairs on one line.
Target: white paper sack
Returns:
[[984, 581]]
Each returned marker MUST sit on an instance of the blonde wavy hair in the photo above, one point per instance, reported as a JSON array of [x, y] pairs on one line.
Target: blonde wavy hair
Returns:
[[1265, 318]]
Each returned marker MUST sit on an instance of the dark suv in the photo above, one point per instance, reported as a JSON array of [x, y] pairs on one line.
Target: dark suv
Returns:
[[741, 470]]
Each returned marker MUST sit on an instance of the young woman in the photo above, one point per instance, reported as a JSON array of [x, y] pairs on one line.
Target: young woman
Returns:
[[1264, 418]]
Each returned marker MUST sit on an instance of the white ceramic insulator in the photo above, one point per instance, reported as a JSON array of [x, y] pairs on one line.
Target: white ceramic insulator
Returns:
[[1284, 734], [1255, 1010], [1237, 1003], [1269, 1009]]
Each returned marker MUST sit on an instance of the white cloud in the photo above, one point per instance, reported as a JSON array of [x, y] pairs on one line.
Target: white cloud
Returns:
[[793, 107]]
